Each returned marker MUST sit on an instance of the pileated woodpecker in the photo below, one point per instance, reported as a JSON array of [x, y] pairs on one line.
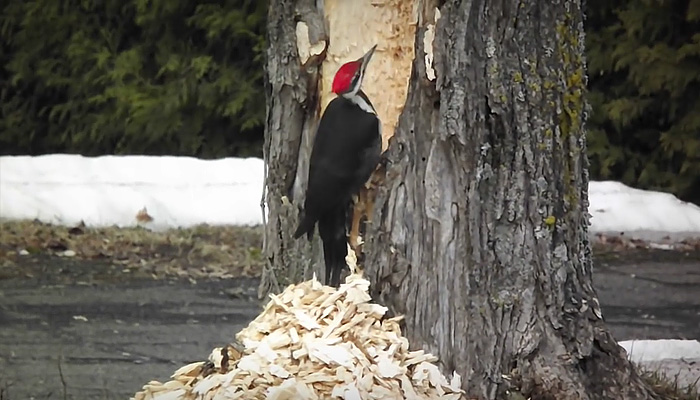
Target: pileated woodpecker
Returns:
[[347, 148]]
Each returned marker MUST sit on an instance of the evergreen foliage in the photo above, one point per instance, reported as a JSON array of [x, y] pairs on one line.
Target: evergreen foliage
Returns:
[[644, 68], [185, 77], [96, 77]]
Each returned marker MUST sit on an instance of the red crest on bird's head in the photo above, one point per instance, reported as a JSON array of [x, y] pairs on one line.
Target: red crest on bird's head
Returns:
[[348, 79], [345, 75]]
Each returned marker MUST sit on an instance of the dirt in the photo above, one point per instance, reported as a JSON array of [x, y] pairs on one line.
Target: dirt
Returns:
[[124, 254], [124, 307]]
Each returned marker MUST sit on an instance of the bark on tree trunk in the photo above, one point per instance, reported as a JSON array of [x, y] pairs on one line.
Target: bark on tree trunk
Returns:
[[479, 236], [297, 43]]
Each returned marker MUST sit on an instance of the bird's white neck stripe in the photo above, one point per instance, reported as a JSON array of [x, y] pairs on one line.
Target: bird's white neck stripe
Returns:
[[362, 103]]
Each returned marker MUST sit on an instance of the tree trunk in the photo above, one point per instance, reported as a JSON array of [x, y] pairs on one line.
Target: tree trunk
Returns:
[[307, 41], [479, 235], [292, 78]]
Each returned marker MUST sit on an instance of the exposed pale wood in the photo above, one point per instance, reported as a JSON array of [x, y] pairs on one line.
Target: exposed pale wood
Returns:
[[354, 27], [363, 209], [302, 59]]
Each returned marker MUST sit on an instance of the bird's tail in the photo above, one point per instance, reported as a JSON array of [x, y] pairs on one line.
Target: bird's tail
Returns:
[[333, 234]]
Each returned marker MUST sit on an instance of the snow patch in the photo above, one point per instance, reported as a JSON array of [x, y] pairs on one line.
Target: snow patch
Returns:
[[642, 351], [112, 190], [616, 207], [185, 191]]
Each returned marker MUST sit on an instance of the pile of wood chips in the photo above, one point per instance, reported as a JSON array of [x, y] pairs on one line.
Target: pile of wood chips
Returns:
[[314, 342]]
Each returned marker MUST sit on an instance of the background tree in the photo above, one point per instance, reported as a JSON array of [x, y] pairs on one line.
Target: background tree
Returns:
[[177, 77], [184, 77], [479, 235], [644, 64]]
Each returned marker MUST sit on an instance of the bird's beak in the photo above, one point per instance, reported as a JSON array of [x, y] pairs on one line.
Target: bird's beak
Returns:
[[365, 59]]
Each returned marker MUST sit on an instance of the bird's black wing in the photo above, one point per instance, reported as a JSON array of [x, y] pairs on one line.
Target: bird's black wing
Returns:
[[338, 166]]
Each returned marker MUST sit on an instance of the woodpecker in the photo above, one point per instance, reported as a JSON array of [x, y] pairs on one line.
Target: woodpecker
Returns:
[[346, 149]]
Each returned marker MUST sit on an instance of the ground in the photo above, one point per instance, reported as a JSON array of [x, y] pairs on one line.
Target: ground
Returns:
[[96, 314]]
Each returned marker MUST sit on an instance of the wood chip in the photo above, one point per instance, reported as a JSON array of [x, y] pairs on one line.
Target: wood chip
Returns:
[[313, 342]]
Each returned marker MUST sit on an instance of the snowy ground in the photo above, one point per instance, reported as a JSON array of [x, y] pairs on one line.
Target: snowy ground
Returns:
[[111, 190], [616, 208], [182, 191], [678, 359]]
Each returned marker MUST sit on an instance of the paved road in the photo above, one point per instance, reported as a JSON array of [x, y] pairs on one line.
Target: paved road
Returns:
[[112, 338], [650, 300]]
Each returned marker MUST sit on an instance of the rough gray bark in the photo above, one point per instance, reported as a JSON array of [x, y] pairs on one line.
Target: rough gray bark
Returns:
[[479, 236], [292, 114]]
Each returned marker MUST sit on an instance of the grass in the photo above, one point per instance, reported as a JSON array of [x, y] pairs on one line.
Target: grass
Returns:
[[669, 388], [197, 252]]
